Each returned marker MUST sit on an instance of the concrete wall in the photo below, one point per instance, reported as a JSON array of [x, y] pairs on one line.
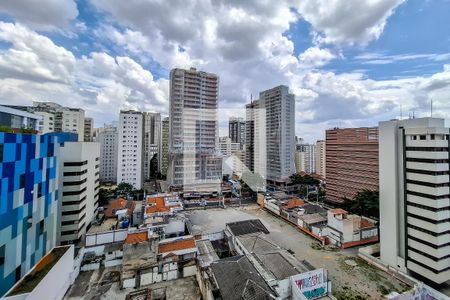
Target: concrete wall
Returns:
[[106, 237], [189, 271]]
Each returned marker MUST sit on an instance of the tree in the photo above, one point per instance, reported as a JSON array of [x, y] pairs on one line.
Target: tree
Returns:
[[304, 180], [124, 189], [365, 203]]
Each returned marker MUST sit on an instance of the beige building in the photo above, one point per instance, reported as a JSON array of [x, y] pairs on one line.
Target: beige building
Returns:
[[320, 158]]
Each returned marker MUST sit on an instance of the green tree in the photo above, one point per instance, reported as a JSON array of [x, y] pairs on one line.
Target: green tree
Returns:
[[365, 203], [124, 189]]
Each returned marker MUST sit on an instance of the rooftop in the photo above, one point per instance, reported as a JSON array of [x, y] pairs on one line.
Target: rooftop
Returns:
[[119, 204], [106, 225], [274, 259], [39, 271], [313, 218], [238, 279], [137, 256], [176, 244], [247, 226], [136, 237], [337, 211], [206, 253]]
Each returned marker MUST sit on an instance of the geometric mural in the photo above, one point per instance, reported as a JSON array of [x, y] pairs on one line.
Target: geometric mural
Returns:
[[28, 203]]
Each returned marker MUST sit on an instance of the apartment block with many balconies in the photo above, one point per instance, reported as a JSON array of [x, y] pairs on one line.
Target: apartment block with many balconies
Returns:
[[195, 162]]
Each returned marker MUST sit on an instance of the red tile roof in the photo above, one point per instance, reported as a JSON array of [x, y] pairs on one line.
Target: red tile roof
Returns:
[[176, 245], [294, 203], [338, 211], [119, 204], [136, 238]]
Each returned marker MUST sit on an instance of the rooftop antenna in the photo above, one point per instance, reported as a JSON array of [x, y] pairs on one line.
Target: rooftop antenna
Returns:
[[401, 112], [413, 115]]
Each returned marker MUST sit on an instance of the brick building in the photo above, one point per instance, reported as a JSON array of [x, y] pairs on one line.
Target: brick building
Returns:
[[351, 162]]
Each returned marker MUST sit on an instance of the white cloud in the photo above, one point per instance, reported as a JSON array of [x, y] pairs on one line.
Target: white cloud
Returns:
[[347, 21], [34, 68], [34, 57], [315, 57], [41, 14], [244, 42]]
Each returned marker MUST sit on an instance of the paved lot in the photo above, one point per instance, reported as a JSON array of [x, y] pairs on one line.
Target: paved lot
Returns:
[[361, 279]]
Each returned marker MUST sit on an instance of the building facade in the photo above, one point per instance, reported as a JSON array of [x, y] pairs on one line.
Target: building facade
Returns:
[[236, 131], [233, 157], [108, 138], [320, 158], [152, 143], [414, 197], [195, 163], [57, 118], [255, 146], [351, 162], [17, 119], [280, 132], [88, 129], [29, 203], [164, 146], [130, 159], [80, 186], [305, 158]]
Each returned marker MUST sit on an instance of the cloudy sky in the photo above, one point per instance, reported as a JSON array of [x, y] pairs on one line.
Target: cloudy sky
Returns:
[[349, 62]]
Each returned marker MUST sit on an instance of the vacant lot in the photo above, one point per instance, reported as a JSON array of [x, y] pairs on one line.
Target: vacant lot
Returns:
[[347, 280]]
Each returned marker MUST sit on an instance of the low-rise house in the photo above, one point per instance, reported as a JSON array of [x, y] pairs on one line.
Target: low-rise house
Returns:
[[347, 230], [234, 229], [121, 209], [235, 278], [314, 223]]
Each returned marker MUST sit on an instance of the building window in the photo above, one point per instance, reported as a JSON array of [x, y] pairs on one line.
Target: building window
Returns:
[[41, 226], [18, 274], [22, 181], [39, 193]]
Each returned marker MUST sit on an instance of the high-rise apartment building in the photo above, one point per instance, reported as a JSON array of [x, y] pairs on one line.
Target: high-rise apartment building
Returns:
[[255, 146], [236, 131], [195, 163], [414, 197], [108, 138], [130, 159], [280, 132], [152, 143], [29, 203], [320, 158], [305, 158], [88, 129], [351, 162]]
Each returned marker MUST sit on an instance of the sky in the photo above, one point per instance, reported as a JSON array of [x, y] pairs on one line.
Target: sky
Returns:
[[349, 62]]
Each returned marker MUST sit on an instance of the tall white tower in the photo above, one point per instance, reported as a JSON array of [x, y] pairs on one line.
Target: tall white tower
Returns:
[[130, 148], [415, 197]]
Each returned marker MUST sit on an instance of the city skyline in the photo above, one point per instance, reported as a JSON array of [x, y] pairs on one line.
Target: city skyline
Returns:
[[94, 55]]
